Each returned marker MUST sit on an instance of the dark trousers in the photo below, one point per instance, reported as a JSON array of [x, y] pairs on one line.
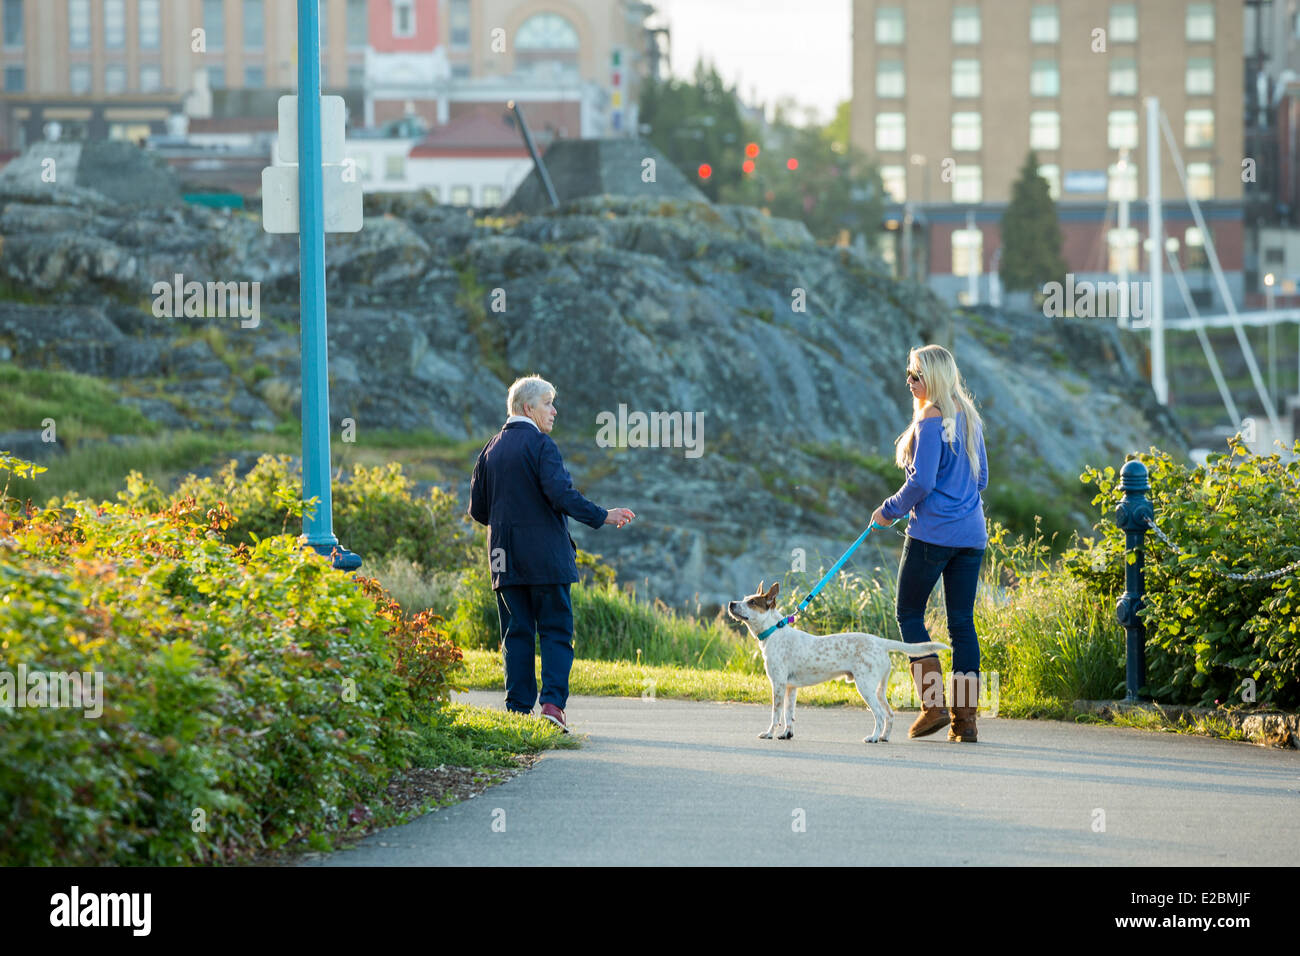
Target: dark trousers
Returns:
[[546, 611], [918, 572]]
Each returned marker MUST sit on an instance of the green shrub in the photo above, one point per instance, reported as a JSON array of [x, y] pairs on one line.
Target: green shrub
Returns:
[[252, 694], [373, 511], [1206, 634]]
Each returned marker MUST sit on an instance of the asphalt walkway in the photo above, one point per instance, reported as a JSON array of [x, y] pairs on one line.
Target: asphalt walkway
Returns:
[[683, 783]]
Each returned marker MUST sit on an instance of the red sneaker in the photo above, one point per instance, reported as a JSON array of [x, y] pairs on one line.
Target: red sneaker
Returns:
[[555, 715]]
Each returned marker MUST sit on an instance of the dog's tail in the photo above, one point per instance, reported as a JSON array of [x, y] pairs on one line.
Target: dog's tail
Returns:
[[915, 650]]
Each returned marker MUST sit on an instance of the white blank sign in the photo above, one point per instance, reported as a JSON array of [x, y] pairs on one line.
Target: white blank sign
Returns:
[[332, 115], [280, 199]]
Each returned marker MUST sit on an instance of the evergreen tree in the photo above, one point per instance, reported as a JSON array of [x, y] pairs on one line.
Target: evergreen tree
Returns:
[[1031, 235]]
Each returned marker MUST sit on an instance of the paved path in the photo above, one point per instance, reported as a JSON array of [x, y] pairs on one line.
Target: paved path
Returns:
[[683, 782]]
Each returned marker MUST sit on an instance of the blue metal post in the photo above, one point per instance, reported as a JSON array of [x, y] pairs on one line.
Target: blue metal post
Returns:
[[319, 528], [1131, 515]]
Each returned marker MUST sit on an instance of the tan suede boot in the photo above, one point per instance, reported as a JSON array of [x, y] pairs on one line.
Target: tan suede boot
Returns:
[[927, 675], [965, 694]]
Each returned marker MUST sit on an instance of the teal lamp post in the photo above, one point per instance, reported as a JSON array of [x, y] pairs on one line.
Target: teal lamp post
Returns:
[[319, 527]]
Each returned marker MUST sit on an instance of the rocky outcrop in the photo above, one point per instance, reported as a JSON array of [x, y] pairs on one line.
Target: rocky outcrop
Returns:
[[788, 354]]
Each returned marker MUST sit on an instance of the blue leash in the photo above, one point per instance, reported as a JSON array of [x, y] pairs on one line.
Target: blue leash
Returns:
[[835, 568]]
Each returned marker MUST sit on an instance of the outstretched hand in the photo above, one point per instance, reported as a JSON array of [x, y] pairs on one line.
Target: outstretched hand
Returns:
[[619, 516]]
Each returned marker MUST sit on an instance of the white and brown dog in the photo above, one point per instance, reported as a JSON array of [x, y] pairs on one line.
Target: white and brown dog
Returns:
[[795, 658]]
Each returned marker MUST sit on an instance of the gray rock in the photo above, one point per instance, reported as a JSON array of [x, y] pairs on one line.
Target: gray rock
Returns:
[[132, 359], [29, 445], [195, 360], [157, 410]]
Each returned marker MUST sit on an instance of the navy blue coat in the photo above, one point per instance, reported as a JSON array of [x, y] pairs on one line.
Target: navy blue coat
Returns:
[[523, 493]]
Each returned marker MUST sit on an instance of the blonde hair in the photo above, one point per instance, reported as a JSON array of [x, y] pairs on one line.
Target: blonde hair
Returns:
[[944, 390], [526, 391]]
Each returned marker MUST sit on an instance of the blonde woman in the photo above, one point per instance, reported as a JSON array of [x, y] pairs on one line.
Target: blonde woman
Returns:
[[942, 451]]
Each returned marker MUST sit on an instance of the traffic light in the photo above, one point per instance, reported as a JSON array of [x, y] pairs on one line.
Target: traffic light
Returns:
[[705, 170], [748, 166], [792, 164], [751, 150]]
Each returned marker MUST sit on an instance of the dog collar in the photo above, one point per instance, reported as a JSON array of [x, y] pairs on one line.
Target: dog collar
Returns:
[[776, 627]]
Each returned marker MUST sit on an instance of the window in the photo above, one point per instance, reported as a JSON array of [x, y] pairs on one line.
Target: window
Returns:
[[255, 24], [394, 166], [889, 79], [1052, 173], [1123, 23], [1200, 180], [1122, 247], [890, 132], [1200, 23], [1045, 78], [15, 79], [1044, 129], [967, 131], [363, 166], [491, 195], [217, 77], [889, 25], [214, 24], [114, 24], [1198, 128], [434, 193], [1044, 24], [547, 38], [967, 184], [460, 71], [894, 179], [1200, 76], [1122, 183], [150, 26], [114, 79], [254, 77], [460, 195], [965, 24], [150, 78], [458, 20], [1122, 129], [1194, 243], [358, 26], [13, 14], [1123, 76], [403, 18], [79, 78], [967, 252], [79, 24], [356, 76], [965, 77]]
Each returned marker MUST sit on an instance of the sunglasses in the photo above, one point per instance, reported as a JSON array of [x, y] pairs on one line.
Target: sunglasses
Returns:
[[913, 377]]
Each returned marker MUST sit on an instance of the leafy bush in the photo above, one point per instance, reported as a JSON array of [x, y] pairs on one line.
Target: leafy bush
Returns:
[[1207, 633], [374, 513], [252, 694]]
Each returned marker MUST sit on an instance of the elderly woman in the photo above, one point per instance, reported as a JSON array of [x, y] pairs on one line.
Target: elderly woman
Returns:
[[522, 492], [942, 451]]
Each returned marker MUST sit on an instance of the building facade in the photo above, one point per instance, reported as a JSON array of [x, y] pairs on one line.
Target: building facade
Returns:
[[118, 68], [950, 96]]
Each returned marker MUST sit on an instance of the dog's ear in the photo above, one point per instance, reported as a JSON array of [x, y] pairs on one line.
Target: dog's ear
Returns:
[[760, 588], [770, 596]]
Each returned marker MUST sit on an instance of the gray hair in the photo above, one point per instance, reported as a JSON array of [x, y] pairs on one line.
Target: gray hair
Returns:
[[527, 391]]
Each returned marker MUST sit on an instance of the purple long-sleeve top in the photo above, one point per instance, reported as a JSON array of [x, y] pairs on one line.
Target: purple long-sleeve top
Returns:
[[940, 492]]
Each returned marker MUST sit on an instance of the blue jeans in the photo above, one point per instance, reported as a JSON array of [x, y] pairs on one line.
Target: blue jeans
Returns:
[[526, 611], [918, 572]]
